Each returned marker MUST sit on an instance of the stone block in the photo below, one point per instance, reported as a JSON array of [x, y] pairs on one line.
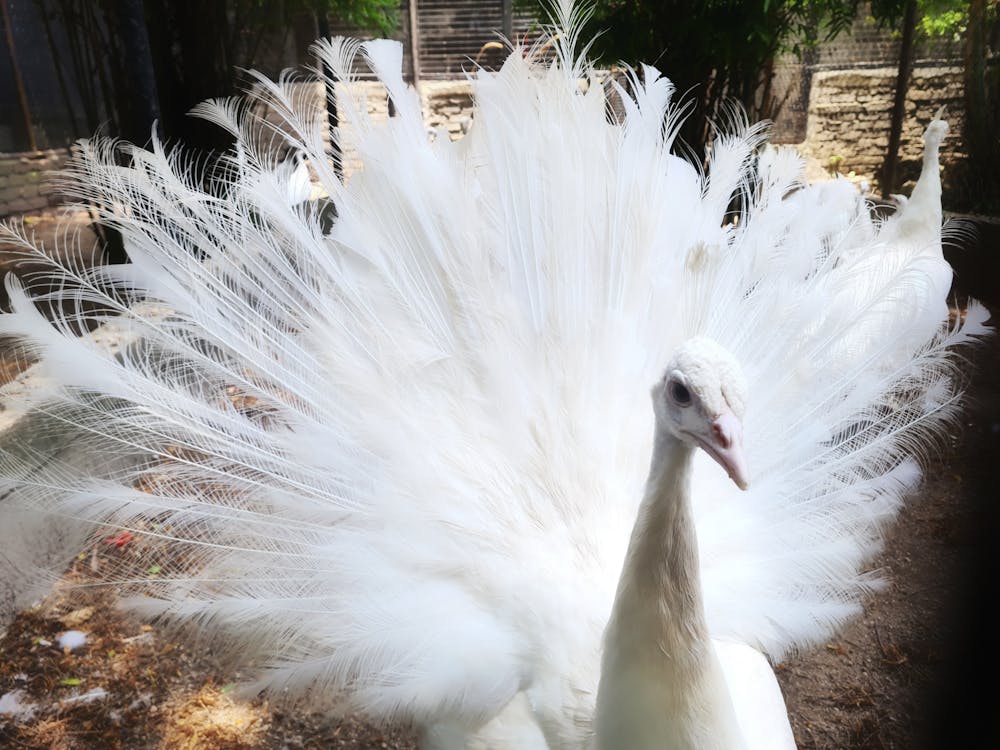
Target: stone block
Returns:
[[10, 193], [29, 190], [17, 206]]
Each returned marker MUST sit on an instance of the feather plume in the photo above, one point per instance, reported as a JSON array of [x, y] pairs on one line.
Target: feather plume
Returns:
[[402, 456]]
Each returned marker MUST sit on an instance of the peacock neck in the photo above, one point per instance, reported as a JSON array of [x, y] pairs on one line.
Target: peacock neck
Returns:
[[932, 154], [660, 583], [930, 173], [659, 590], [661, 684]]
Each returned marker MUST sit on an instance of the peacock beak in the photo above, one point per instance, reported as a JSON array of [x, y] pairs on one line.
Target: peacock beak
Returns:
[[725, 445]]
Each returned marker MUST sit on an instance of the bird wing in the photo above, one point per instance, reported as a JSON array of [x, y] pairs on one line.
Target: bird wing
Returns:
[[756, 695]]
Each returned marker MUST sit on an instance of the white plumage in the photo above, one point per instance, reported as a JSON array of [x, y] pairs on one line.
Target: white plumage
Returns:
[[405, 456]]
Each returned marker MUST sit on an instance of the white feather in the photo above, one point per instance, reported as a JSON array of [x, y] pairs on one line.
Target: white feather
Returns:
[[424, 513]]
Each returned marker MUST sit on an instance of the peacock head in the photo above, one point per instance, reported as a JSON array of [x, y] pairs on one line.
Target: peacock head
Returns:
[[701, 400]]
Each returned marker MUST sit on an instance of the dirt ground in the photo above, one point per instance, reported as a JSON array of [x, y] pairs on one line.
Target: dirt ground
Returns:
[[907, 674]]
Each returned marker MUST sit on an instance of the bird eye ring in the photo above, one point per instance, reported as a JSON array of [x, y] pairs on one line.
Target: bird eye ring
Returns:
[[680, 393]]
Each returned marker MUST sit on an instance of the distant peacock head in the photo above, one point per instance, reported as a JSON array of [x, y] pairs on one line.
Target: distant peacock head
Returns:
[[701, 400]]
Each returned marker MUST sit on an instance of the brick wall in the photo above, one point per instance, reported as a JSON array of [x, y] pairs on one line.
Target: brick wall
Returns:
[[446, 105], [24, 180], [24, 177], [849, 115], [847, 130], [862, 45]]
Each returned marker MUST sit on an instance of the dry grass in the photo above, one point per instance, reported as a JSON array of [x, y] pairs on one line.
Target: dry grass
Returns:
[[210, 718]]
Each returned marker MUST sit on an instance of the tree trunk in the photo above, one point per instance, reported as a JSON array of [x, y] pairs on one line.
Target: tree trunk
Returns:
[[980, 121], [141, 105], [332, 116], [22, 95], [192, 64], [888, 176]]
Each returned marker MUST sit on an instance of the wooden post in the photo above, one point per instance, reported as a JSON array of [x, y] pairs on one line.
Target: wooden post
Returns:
[[414, 43], [143, 106], [508, 19], [330, 88], [978, 118], [22, 94], [888, 176]]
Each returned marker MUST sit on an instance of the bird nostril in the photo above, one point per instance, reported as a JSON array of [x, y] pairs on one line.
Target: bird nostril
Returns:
[[721, 434]]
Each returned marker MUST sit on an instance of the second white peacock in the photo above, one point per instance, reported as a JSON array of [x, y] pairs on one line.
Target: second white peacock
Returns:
[[400, 460]]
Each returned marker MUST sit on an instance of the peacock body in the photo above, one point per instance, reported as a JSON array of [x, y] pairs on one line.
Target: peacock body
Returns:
[[404, 453]]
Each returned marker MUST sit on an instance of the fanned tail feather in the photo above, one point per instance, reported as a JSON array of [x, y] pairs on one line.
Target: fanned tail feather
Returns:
[[399, 454]]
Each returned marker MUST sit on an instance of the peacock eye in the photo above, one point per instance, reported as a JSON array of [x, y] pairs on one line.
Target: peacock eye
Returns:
[[680, 393]]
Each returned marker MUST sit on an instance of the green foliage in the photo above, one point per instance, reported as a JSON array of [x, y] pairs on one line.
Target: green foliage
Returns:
[[197, 51], [377, 16], [936, 19], [950, 24], [943, 18], [758, 26], [950, 18], [717, 50]]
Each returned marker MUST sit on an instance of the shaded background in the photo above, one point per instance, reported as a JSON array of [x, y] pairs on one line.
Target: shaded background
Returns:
[[70, 67]]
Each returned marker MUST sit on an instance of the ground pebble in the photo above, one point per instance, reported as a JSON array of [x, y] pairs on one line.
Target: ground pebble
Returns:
[[72, 639]]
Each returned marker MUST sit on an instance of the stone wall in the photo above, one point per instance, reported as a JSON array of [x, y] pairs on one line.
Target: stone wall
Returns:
[[849, 116], [847, 120], [24, 178], [446, 105], [847, 130], [24, 184]]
